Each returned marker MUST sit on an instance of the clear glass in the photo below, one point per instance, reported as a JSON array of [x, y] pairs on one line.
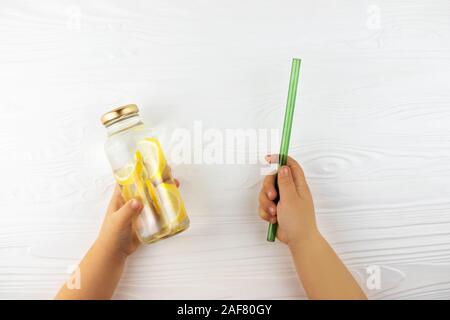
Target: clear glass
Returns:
[[141, 170]]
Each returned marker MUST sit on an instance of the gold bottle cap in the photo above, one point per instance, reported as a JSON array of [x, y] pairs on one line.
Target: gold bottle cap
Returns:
[[120, 112]]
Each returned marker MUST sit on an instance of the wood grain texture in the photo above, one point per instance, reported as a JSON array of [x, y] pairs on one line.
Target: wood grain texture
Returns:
[[372, 132]]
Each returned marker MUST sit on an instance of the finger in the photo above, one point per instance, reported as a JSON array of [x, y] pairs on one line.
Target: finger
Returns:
[[116, 200], [267, 205], [272, 158], [130, 209], [297, 170], [286, 184], [299, 177], [177, 183], [269, 186], [297, 173], [265, 216]]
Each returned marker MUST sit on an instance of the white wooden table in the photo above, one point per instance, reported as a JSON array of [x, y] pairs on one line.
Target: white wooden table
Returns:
[[372, 131]]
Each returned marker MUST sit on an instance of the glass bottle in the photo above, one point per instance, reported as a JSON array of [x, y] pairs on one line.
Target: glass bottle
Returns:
[[141, 170]]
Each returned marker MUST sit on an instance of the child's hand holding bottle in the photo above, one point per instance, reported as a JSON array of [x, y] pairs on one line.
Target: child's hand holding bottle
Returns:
[[116, 234], [102, 266]]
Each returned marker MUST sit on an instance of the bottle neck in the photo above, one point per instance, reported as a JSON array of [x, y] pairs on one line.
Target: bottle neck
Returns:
[[123, 124]]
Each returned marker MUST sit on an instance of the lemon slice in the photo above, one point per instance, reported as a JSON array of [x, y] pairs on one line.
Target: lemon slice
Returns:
[[172, 203], [128, 174], [151, 194], [153, 159]]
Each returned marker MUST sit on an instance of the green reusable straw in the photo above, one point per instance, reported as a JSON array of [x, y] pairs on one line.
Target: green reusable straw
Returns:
[[287, 126]]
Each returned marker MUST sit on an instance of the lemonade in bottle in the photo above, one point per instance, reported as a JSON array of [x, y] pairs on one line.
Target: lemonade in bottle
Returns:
[[141, 170]]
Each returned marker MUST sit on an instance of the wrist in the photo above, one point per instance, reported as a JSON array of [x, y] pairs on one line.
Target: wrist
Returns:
[[309, 240], [103, 249]]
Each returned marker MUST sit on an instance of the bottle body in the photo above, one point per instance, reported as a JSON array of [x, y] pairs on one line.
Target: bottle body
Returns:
[[141, 170]]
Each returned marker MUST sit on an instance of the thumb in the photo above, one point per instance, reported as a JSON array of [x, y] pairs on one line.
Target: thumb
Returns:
[[286, 183], [130, 209]]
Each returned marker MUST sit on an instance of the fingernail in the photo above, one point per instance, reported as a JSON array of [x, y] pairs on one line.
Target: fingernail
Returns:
[[270, 194], [135, 204], [272, 210], [284, 171]]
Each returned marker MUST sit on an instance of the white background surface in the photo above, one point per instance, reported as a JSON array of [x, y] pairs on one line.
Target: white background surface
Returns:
[[371, 130]]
